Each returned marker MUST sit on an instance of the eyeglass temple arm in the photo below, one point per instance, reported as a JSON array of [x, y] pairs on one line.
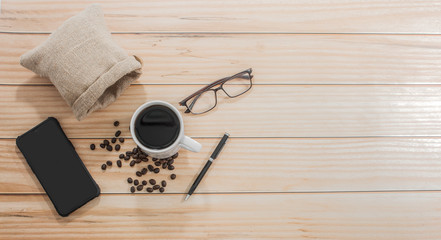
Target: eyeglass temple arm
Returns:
[[182, 103]]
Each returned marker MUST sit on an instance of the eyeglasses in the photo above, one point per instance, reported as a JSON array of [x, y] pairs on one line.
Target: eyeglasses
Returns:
[[205, 99]]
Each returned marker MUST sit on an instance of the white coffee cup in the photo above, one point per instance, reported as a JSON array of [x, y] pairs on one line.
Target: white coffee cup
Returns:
[[181, 141]]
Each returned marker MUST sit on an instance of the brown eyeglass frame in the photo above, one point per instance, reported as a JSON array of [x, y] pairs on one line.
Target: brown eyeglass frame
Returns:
[[215, 83]]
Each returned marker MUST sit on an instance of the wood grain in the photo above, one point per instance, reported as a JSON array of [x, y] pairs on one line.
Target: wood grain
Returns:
[[412, 215], [265, 111], [304, 16], [262, 165], [275, 59]]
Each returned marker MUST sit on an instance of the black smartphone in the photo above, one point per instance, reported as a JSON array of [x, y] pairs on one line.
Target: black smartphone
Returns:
[[54, 161]]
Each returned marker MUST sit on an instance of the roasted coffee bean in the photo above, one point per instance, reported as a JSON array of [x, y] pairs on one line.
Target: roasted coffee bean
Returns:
[[156, 170], [163, 183], [136, 182], [139, 187], [129, 180], [127, 157], [113, 140], [152, 181], [109, 148], [117, 133], [104, 166], [173, 176], [132, 163], [150, 168], [154, 159], [132, 189], [138, 160], [156, 187], [136, 156], [144, 182], [92, 146], [171, 167], [119, 163], [121, 156], [121, 140], [106, 142], [109, 163], [170, 162], [128, 153], [157, 163], [135, 150], [164, 165], [102, 145], [175, 156], [116, 123], [117, 147], [149, 189], [161, 189], [144, 171], [144, 159], [138, 173]]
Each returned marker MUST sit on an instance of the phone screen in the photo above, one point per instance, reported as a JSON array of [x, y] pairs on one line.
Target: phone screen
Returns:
[[58, 167]]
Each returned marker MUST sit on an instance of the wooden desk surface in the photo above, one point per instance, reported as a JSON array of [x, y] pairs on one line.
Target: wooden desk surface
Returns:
[[339, 138]]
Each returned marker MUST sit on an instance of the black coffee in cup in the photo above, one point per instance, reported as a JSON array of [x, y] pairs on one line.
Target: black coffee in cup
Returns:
[[157, 127]]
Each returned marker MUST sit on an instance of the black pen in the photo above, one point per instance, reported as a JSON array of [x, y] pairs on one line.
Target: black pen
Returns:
[[208, 164]]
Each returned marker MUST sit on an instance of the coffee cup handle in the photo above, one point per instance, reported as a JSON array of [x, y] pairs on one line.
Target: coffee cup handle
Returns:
[[190, 144]]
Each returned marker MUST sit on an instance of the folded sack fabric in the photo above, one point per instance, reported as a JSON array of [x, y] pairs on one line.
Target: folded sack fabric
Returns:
[[83, 62]]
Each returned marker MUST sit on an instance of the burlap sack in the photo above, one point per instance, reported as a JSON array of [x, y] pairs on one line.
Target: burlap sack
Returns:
[[89, 70]]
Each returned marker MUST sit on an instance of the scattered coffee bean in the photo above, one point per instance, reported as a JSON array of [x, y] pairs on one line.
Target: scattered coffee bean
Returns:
[[104, 166], [144, 182], [150, 168], [119, 163], [156, 170], [109, 163], [127, 157], [163, 183], [136, 156], [121, 140], [158, 163], [171, 167], [173, 176], [136, 182], [144, 171], [161, 189], [109, 148], [164, 165], [113, 140], [117, 133], [175, 156], [128, 153], [144, 159], [117, 147], [92, 146], [132, 163], [121, 156], [156, 187], [154, 159], [135, 150], [152, 181], [106, 142], [138, 160], [102, 145], [138, 173], [149, 189], [116, 123], [132, 189], [129, 180], [139, 187], [170, 162]]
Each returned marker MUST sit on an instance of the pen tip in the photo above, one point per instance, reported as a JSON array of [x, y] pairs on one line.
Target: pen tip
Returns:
[[187, 197]]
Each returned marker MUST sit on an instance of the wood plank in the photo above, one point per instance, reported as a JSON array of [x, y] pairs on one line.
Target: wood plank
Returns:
[[265, 111], [304, 16], [276, 59], [262, 165], [412, 215]]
